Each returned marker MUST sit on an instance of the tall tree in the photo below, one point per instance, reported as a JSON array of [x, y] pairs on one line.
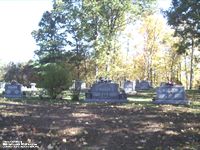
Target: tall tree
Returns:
[[50, 38], [152, 30], [76, 27], [184, 16], [108, 18]]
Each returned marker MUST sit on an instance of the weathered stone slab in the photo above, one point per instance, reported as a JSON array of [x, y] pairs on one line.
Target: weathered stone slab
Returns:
[[13, 90], [129, 87], [105, 92], [168, 94], [143, 85], [78, 85]]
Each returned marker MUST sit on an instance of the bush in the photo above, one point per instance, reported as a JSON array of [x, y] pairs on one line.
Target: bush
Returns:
[[55, 78], [75, 96]]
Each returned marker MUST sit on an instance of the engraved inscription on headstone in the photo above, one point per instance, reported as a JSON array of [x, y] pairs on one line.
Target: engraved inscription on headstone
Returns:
[[129, 86], [142, 85], [13, 90], [171, 95], [105, 92]]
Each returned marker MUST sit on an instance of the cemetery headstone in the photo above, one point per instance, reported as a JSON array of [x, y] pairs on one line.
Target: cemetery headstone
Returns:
[[2, 87], [33, 87], [129, 87], [105, 91], [78, 85], [163, 84], [171, 94], [13, 90], [142, 85]]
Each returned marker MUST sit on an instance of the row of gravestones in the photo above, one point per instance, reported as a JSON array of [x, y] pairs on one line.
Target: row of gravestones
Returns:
[[109, 92], [128, 86], [133, 86]]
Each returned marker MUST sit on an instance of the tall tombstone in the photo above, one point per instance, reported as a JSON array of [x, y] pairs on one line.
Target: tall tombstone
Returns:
[[78, 85], [13, 90], [2, 85], [104, 91], [171, 94], [129, 86], [33, 87]]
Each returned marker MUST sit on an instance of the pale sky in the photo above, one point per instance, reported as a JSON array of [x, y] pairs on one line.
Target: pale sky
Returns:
[[18, 18]]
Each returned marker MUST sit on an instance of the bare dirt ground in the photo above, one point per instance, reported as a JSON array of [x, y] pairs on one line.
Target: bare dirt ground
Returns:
[[71, 126]]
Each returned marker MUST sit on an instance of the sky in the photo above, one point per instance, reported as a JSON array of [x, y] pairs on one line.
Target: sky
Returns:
[[18, 18]]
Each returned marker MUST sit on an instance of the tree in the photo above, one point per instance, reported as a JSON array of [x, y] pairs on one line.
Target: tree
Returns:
[[49, 38], [76, 26], [13, 72], [2, 71], [55, 78], [88, 31], [108, 19], [152, 29], [184, 16]]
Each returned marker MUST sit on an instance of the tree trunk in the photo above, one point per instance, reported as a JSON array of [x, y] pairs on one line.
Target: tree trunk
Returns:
[[191, 65], [96, 71], [186, 74], [180, 76]]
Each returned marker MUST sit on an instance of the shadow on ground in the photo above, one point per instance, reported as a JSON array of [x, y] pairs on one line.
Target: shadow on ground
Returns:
[[136, 125]]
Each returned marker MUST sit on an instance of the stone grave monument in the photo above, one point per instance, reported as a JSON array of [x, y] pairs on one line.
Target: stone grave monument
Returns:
[[142, 85], [78, 85], [2, 87], [171, 94], [105, 91], [33, 87], [13, 90], [129, 87]]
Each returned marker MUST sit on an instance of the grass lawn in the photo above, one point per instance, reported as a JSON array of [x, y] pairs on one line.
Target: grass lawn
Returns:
[[138, 124]]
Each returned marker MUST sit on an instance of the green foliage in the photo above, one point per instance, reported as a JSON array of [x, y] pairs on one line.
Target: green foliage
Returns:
[[49, 38], [2, 71], [22, 73], [84, 33], [55, 78], [184, 16], [75, 95]]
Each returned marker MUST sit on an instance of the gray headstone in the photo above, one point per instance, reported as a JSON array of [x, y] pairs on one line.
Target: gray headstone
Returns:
[[13, 90], [171, 95], [163, 84], [129, 87], [78, 85], [105, 92], [143, 85]]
